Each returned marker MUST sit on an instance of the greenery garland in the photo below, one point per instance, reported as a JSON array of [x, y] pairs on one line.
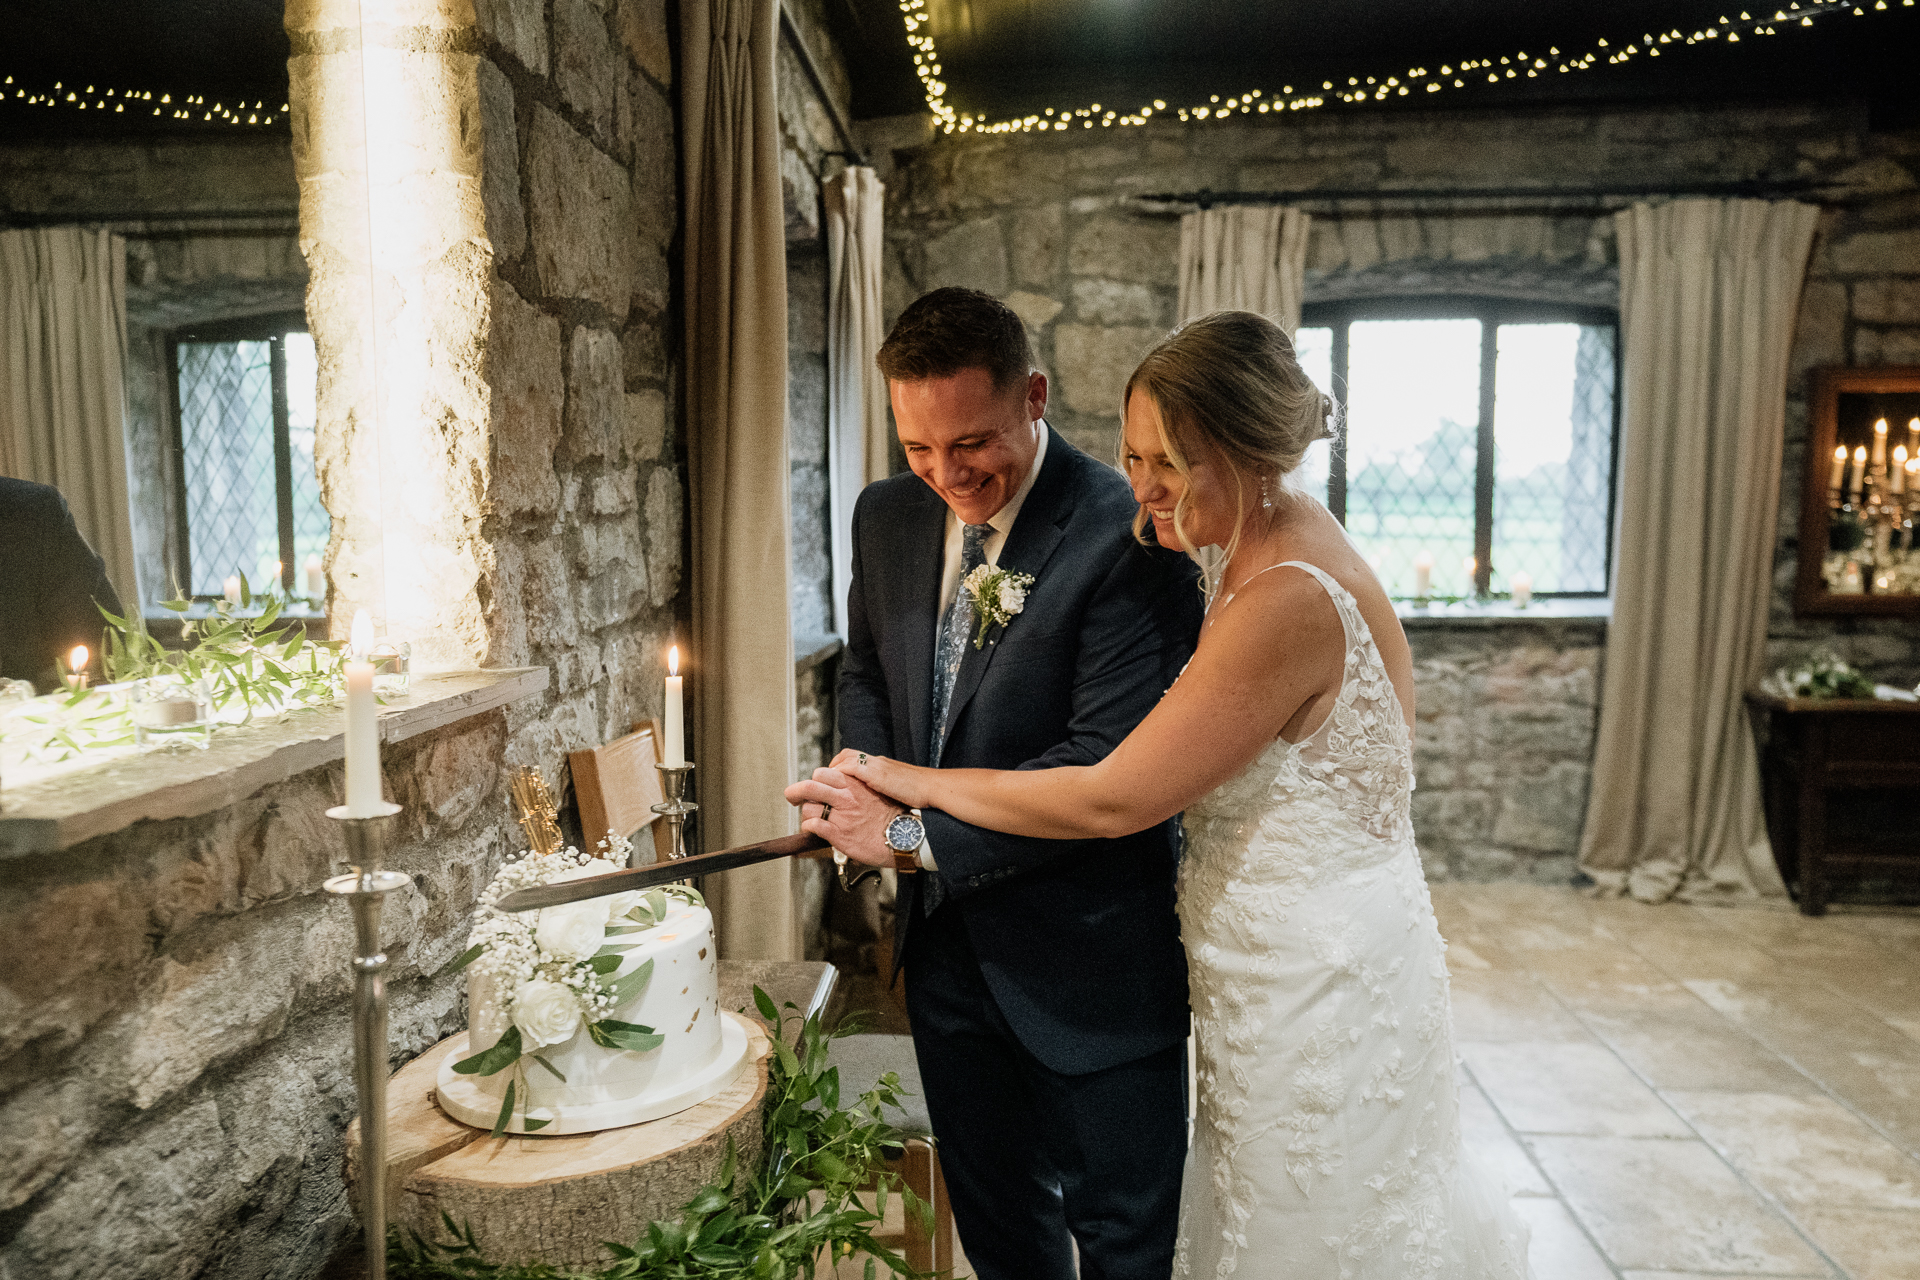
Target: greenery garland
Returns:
[[802, 1206]]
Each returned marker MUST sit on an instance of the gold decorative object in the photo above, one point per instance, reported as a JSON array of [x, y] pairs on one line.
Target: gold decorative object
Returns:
[[535, 810]]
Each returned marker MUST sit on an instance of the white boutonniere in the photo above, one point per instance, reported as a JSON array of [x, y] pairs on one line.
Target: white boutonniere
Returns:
[[998, 594]]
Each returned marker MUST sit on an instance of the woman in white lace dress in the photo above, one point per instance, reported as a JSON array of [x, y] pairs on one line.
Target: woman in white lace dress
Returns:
[[1328, 1145]]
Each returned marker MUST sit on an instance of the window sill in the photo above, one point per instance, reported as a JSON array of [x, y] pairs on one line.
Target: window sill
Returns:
[[1501, 613], [183, 782]]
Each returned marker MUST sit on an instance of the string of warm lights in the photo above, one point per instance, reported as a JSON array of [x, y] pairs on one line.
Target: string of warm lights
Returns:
[[1451, 75], [143, 102]]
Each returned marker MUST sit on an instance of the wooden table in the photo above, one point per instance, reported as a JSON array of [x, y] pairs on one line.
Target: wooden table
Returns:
[[1818, 755]]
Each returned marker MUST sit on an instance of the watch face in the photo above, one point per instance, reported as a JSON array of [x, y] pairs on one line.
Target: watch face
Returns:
[[905, 833]]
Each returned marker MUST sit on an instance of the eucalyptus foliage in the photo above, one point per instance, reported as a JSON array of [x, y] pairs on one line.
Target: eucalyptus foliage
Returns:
[[807, 1202]]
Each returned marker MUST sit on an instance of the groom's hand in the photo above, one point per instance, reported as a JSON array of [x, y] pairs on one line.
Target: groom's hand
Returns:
[[855, 818]]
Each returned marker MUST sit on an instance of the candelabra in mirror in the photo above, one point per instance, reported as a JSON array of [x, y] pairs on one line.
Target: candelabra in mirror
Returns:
[[1861, 496]]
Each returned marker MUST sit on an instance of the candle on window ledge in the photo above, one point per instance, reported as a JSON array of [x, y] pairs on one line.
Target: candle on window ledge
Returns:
[[76, 673], [1880, 446], [1471, 567], [673, 752], [1423, 575], [232, 589], [1859, 472], [1897, 475], [316, 579], [363, 739], [1522, 589], [1839, 470]]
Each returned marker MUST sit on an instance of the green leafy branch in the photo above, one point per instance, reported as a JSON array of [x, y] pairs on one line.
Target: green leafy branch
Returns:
[[809, 1200]]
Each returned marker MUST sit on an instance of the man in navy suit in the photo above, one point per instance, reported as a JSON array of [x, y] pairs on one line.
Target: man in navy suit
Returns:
[[1046, 984]]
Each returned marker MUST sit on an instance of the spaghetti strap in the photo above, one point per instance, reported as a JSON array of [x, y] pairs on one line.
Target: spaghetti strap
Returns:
[[1323, 577]]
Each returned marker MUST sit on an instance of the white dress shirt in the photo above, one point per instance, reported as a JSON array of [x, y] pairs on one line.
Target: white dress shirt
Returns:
[[1002, 522]]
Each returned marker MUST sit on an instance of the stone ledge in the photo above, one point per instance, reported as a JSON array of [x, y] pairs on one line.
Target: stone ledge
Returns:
[[1493, 614], [181, 782]]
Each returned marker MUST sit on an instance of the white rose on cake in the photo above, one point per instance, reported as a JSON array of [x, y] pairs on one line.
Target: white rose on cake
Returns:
[[572, 932], [546, 1013]]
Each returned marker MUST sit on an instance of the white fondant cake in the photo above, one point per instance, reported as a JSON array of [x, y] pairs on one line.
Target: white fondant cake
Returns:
[[699, 1055]]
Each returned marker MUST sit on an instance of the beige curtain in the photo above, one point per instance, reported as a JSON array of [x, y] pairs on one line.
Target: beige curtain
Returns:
[[63, 404], [1708, 294], [736, 271], [856, 393], [1244, 258]]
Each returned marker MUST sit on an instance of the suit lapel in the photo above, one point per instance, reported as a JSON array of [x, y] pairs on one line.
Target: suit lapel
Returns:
[[923, 547], [1035, 536]]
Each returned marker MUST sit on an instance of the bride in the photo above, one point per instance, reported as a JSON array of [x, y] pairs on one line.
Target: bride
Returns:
[[1328, 1141]]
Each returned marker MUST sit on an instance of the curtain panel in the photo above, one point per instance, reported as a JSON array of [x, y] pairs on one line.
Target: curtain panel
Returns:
[[736, 403], [1708, 295], [856, 393], [63, 404], [1244, 258]]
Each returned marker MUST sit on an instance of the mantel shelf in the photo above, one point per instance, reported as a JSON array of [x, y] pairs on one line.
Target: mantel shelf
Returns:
[[182, 782]]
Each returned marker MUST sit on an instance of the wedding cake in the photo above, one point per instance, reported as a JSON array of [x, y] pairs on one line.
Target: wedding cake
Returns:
[[591, 1015]]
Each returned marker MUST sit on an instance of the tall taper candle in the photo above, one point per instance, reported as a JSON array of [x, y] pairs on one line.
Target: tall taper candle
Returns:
[[1913, 437], [1839, 468], [363, 740], [1423, 575], [316, 579], [231, 588], [1859, 471], [1522, 583], [1880, 446], [1897, 475], [673, 752]]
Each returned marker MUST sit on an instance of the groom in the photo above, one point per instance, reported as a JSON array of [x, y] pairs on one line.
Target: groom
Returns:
[[1046, 985]]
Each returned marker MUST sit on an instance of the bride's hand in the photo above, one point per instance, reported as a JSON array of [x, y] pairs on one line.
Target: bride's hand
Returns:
[[909, 785]]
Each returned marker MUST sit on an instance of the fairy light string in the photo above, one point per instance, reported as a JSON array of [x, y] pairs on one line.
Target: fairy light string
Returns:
[[1472, 72], [144, 102]]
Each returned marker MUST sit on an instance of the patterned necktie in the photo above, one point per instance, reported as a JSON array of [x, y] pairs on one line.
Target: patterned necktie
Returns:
[[955, 629]]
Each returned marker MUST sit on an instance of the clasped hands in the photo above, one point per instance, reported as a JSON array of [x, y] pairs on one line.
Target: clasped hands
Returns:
[[842, 806]]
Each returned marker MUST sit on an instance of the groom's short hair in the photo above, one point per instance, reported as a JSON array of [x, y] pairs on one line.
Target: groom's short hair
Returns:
[[951, 329]]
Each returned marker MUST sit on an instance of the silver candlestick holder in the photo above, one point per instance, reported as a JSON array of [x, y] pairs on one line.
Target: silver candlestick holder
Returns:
[[676, 806], [363, 886]]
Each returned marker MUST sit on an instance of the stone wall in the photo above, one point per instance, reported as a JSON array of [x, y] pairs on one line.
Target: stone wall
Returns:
[[1054, 225]]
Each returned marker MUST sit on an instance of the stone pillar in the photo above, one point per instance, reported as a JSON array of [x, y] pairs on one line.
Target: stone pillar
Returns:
[[389, 161]]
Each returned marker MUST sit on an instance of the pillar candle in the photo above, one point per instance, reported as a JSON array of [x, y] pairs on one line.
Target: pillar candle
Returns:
[[316, 578], [1839, 468], [1880, 446], [232, 591], [363, 740], [1859, 471], [77, 667], [674, 750], [1913, 437], [1522, 590], [1423, 574], [1897, 475]]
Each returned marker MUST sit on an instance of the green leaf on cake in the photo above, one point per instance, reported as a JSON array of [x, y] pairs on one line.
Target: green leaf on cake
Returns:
[[506, 1112], [657, 903], [613, 1034], [625, 989], [531, 1125], [462, 960], [503, 1055], [549, 1066], [604, 964]]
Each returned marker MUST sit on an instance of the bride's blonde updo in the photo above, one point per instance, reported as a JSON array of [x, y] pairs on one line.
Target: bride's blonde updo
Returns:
[[1231, 379]]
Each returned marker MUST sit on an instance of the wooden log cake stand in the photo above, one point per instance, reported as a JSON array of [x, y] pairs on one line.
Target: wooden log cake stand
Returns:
[[554, 1200]]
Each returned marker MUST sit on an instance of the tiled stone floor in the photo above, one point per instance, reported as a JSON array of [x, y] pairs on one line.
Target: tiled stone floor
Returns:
[[1677, 1092]]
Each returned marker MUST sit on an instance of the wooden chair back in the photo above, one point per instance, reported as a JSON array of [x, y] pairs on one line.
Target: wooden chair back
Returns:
[[616, 787]]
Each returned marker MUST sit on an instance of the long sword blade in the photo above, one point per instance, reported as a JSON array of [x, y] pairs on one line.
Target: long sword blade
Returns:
[[554, 895]]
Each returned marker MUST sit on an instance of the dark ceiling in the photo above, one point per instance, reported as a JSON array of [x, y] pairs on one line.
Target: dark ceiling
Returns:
[[1007, 57]]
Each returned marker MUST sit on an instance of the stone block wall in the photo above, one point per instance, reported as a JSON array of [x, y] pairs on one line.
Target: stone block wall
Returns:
[[1054, 224]]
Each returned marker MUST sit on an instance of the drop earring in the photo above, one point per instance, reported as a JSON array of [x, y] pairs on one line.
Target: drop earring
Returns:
[[1266, 501]]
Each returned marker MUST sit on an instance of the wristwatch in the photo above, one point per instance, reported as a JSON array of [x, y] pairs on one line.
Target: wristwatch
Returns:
[[904, 835]]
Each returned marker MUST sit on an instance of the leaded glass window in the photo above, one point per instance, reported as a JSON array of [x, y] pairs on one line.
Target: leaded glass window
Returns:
[[249, 496], [1478, 440]]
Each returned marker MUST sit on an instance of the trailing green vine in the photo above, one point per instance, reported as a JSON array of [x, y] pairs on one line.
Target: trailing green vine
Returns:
[[807, 1202]]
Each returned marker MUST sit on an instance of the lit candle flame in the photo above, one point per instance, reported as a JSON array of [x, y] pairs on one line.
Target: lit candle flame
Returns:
[[673, 661], [77, 660], [360, 636], [1860, 454], [1880, 427]]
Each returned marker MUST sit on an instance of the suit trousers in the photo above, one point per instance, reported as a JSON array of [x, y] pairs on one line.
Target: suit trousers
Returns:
[[1036, 1161]]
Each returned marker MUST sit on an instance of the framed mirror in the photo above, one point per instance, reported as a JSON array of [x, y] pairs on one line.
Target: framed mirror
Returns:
[[1858, 553]]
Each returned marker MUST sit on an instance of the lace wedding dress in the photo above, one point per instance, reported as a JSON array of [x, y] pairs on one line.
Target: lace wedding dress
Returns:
[[1328, 1140]]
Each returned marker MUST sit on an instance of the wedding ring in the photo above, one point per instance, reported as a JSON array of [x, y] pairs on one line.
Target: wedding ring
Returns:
[[826, 812], [863, 757]]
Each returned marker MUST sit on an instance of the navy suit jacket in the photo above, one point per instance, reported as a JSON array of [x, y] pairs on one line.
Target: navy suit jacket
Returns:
[[1077, 939], [51, 580]]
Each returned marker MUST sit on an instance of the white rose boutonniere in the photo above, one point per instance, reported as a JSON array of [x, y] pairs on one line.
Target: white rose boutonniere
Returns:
[[998, 594]]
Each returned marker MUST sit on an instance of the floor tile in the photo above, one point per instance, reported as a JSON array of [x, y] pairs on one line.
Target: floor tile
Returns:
[[1559, 1249], [1666, 1205], [1498, 1005], [1804, 1150], [1871, 1244], [1569, 1088], [1676, 1041], [1494, 1145], [1854, 1055]]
